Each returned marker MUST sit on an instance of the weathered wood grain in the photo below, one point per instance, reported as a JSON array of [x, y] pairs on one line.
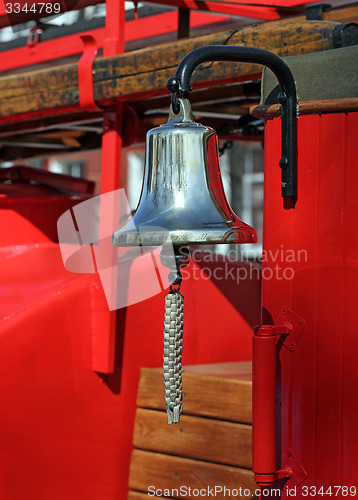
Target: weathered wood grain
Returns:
[[348, 13], [194, 437], [222, 392], [168, 472], [309, 107], [144, 73]]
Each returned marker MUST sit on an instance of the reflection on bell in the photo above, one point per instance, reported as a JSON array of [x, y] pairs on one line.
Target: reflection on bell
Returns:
[[182, 193]]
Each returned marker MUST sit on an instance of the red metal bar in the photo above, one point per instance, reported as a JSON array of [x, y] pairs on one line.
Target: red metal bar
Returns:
[[273, 9], [104, 341], [48, 50], [138, 29], [231, 8], [115, 22], [166, 22], [23, 17], [85, 76], [104, 344], [60, 181], [264, 405]]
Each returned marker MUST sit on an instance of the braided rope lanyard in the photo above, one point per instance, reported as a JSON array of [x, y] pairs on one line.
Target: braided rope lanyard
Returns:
[[172, 356]]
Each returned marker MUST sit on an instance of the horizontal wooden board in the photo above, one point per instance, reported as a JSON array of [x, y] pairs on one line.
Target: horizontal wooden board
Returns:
[[167, 472], [221, 391], [310, 107], [144, 73], [194, 437], [241, 370], [137, 495]]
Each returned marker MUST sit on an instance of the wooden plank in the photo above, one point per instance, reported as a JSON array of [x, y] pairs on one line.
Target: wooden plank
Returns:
[[194, 437], [167, 472], [349, 13], [238, 370], [310, 107], [136, 495], [145, 72], [223, 392]]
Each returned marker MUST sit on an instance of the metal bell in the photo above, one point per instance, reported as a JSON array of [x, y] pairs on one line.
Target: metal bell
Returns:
[[182, 194]]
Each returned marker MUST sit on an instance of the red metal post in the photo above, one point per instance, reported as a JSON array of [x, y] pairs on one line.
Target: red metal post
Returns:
[[264, 405], [104, 343], [115, 26]]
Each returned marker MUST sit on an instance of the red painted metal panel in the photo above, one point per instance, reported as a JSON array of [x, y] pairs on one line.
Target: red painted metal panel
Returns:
[[317, 244], [65, 431]]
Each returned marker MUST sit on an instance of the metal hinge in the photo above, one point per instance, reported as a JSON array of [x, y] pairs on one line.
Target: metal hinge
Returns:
[[294, 471]]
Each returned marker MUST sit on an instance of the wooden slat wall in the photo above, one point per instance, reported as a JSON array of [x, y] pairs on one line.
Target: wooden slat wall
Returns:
[[309, 107], [166, 472], [225, 394], [211, 446], [144, 73], [194, 437]]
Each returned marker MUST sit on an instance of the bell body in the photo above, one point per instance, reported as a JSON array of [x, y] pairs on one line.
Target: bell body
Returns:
[[182, 195]]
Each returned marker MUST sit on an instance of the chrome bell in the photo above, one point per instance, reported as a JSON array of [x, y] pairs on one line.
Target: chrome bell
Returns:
[[182, 194]]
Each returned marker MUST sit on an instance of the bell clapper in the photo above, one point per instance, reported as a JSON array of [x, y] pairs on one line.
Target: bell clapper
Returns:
[[173, 335]]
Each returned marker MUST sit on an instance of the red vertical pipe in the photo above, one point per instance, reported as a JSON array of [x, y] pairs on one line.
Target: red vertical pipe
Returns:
[[264, 405], [115, 25], [104, 342]]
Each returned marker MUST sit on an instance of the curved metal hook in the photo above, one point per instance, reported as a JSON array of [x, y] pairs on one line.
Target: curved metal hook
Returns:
[[287, 98]]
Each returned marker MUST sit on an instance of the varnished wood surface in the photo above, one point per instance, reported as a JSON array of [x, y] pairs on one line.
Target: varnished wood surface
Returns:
[[144, 73], [170, 472], [220, 391], [194, 437], [209, 447], [310, 107]]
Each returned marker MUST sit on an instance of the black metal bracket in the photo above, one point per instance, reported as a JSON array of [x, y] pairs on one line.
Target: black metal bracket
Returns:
[[180, 84], [314, 12]]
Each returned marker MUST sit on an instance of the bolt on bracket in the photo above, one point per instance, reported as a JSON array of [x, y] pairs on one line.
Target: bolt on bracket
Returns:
[[295, 325], [293, 470]]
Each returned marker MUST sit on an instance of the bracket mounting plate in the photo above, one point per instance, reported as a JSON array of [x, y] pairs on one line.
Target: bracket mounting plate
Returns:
[[296, 325], [290, 461]]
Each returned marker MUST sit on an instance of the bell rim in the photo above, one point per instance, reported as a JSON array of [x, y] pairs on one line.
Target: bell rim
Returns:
[[183, 237]]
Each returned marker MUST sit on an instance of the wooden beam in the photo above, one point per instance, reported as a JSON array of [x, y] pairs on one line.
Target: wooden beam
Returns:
[[170, 472], [309, 107], [221, 392], [200, 438], [348, 13], [144, 73]]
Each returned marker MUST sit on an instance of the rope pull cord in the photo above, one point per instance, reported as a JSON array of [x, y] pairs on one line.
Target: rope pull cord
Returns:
[[172, 355], [173, 333]]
